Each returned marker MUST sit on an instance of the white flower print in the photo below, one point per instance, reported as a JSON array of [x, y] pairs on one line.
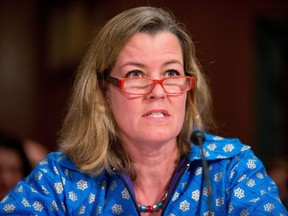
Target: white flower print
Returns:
[[260, 175], [262, 192], [237, 158], [183, 185], [228, 147], [67, 172], [63, 180], [206, 153], [81, 210], [63, 206], [44, 190], [231, 174], [269, 207], [91, 198], [53, 206], [206, 192], [4, 199], [59, 159], [227, 191], [184, 206], [198, 171], [44, 170], [98, 210], [221, 157], [218, 177], [9, 208], [38, 206], [43, 162], [251, 164], [242, 178], [58, 187], [117, 209], [208, 213], [254, 200], [113, 185], [103, 185], [82, 185], [230, 207], [33, 190], [19, 189], [196, 195], [244, 212], [239, 193], [56, 170], [125, 194], [219, 201], [250, 183], [244, 148], [175, 196], [212, 147], [73, 196], [38, 176], [25, 202], [217, 138]]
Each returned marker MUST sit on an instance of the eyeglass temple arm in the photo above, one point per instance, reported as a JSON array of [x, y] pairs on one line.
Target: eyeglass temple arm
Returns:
[[112, 80]]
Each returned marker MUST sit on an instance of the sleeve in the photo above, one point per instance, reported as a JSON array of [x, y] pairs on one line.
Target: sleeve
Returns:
[[40, 193], [250, 190]]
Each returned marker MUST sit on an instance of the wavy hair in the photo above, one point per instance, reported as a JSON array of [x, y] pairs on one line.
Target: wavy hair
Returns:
[[89, 132]]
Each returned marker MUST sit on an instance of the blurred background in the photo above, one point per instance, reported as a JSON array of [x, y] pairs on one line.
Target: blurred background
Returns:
[[242, 46]]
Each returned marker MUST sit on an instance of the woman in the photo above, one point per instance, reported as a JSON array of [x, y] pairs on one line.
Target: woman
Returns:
[[277, 169], [14, 164], [125, 146]]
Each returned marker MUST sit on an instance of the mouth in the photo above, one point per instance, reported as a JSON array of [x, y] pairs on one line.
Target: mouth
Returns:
[[156, 114]]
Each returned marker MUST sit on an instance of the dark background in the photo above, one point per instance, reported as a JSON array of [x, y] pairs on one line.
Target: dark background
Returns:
[[242, 46]]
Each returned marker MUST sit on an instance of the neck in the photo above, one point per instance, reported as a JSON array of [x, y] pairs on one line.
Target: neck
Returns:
[[154, 171]]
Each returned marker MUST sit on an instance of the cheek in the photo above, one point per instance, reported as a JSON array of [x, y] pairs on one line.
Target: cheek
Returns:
[[120, 106], [180, 109], [180, 103]]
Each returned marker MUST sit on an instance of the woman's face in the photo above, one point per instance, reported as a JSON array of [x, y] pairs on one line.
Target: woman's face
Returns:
[[154, 117]]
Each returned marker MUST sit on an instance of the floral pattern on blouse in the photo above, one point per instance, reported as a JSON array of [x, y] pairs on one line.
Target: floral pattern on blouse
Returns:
[[240, 186]]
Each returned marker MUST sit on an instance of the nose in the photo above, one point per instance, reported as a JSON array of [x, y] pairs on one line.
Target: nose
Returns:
[[157, 92]]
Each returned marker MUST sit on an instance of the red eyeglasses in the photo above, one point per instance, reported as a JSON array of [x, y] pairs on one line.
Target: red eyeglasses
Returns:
[[143, 85]]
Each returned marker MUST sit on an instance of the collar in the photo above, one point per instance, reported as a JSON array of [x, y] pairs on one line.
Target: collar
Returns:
[[216, 147]]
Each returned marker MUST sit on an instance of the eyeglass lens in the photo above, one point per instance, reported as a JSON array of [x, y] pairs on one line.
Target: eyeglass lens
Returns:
[[170, 85]]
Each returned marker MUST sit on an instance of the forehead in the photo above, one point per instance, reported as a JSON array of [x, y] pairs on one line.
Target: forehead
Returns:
[[160, 37], [142, 45]]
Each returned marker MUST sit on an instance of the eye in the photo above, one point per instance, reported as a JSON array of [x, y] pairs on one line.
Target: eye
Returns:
[[134, 73], [171, 73]]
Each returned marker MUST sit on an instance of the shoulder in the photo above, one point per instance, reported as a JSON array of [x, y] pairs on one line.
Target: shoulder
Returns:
[[217, 147], [56, 159], [48, 186]]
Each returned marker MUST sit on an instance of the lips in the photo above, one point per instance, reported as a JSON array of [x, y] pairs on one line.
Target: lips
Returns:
[[157, 113]]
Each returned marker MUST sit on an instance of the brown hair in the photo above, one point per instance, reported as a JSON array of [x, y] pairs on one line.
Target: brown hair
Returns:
[[89, 135]]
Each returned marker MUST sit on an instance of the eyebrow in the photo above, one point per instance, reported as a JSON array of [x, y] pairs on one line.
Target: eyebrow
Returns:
[[144, 66], [173, 62], [133, 64]]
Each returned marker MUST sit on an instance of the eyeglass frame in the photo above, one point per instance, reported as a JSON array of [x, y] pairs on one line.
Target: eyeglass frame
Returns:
[[119, 83]]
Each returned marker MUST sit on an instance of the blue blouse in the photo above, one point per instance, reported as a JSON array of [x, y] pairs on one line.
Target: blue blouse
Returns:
[[240, 186]]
